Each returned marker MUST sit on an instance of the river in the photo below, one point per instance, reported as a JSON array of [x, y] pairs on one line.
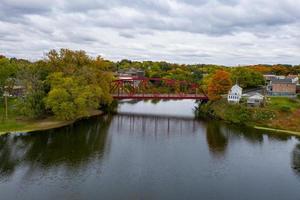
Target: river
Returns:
[[150, 150]]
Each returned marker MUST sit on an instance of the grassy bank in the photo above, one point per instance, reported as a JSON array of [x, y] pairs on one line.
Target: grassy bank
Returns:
[[29, 125], [17, 123], [278, 114]]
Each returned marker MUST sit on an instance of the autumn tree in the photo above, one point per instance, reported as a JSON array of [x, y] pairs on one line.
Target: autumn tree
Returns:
[[220, 83]]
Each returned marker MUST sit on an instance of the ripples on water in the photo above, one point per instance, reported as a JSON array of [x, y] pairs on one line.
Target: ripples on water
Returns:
[[152, 156]]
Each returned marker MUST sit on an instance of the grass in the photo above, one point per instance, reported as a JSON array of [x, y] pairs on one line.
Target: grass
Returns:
[[277, 103], [11, 125], [287, 113], [18, 123], [280, 113]]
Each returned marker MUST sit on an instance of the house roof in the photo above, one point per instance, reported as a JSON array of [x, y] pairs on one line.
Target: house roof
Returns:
[[292, 76], [257, 96], [236, 86]]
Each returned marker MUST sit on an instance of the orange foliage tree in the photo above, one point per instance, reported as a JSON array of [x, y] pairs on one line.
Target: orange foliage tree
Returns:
[[220, 83]]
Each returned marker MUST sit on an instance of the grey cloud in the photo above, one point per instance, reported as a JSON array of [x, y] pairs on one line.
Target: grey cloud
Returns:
[[199, 55], [127, 35], [181, 30], [207, 17]]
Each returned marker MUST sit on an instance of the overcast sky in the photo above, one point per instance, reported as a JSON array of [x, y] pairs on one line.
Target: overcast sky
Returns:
[[230, 32]]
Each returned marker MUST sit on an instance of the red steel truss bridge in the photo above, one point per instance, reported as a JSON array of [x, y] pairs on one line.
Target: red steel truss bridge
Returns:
[[145, 88]]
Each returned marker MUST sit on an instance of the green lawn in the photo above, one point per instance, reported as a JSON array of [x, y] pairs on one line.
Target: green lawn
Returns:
[[11, 123], [12, 110], [277, 103], [17, 122]]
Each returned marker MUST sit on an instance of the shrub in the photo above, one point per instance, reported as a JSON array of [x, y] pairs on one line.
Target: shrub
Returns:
[[285, 108], [205, 110], [292, 100], [237, 114], [262, 115]]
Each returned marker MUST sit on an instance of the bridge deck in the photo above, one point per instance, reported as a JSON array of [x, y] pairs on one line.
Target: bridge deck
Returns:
[[160, 96]]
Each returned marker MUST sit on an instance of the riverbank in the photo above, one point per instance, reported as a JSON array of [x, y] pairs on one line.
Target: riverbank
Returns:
[[28, 125], [277, 130], [280, 114]]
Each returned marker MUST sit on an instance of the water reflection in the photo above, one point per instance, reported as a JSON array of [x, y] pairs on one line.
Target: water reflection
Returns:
[[155, 125], [74, 146], [174, 108], [135, 156], [217, 141], [70, 147], [296, 159]]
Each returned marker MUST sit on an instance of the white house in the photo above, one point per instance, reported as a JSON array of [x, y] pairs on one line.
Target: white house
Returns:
[[255, 100], [295, 78], [235, 94]]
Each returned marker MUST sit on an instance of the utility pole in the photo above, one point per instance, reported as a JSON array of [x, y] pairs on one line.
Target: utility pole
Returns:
[[6, 104]]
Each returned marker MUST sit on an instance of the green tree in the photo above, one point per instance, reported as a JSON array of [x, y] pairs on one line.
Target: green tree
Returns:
[[8, 71], [32, 76], [78, 83], [246, 77], [72, 96]]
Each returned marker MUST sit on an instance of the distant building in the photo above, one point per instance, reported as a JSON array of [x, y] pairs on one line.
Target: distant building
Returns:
[[15, 91], [235, 94], [295, 78], [131, 73], [255, 100], [282, 87], [269, 77]]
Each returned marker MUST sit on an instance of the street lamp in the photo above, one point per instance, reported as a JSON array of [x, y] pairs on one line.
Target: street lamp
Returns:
[[6, 94]]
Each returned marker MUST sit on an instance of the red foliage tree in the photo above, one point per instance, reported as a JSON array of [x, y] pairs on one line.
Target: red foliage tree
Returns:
[[220, 83]]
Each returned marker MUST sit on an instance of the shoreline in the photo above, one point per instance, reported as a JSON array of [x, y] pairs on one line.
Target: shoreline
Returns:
[[295, 133], [50, 123], [274, 130], [272, 117]]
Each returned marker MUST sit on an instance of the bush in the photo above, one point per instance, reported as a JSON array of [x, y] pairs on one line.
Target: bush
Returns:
[[237, 114], [262, 115], [285, 108], [293, 100], [205, 110]]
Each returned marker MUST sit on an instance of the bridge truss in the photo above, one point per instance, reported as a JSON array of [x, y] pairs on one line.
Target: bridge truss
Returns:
[[146, 88]]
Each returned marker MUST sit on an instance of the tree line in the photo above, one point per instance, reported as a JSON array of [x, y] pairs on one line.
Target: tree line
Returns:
[[68, 83]]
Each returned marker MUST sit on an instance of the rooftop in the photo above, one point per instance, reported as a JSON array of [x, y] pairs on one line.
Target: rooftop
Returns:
[[282, 81]]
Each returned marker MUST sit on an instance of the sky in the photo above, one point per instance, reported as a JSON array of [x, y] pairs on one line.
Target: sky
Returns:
[[228, 32]]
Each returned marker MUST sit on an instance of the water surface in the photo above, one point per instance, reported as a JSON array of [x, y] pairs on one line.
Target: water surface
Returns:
[[150, 150]]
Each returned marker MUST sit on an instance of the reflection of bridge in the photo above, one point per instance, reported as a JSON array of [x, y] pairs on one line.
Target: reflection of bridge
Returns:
[[146, 88], [157, 126]]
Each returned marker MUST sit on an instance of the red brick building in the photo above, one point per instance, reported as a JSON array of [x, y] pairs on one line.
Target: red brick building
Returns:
[[282, 87]]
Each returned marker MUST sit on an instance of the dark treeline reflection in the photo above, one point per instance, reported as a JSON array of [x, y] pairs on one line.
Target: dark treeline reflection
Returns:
[[71, 147], [218, 136], [74, 147], [296, 159], [217, 140]]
